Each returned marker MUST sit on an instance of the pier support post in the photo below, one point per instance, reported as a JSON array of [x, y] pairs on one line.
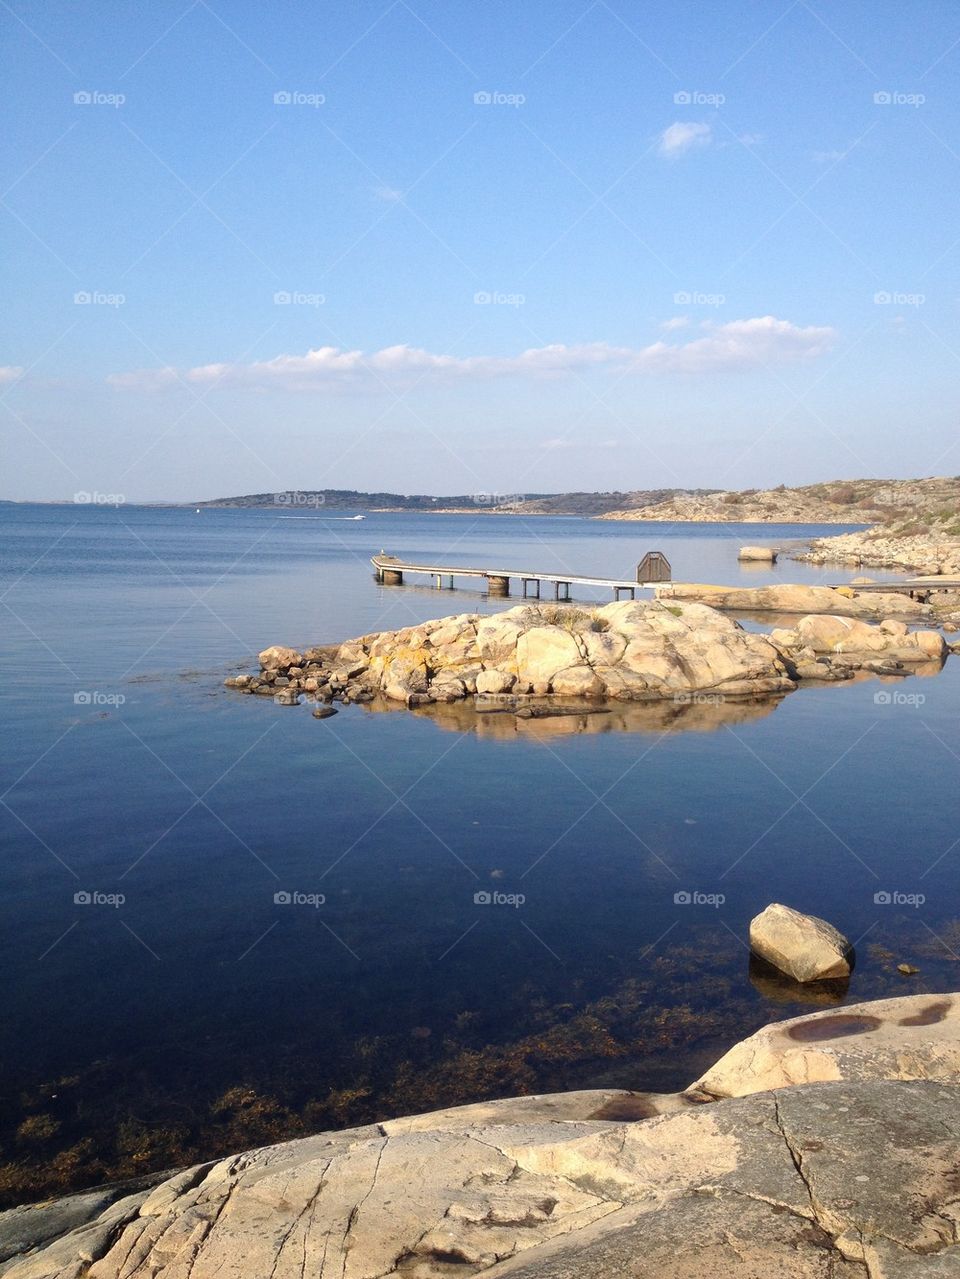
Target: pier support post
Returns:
[[498, 585], [392, 577], [526, 584]]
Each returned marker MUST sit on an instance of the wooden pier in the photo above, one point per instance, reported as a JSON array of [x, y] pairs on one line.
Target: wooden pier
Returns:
[[918, 588], [653, 569]]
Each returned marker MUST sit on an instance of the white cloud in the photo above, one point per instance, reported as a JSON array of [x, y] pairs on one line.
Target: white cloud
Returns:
[[828, 157], [675, 322], [740, 344], [390, 195], [681, 137], [10, 373]]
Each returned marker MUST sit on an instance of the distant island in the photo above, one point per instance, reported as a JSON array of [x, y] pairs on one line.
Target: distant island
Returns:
[[905, 524], [584, 504]]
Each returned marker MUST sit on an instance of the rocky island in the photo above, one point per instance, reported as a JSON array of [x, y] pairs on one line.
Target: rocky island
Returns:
[[630, 651]]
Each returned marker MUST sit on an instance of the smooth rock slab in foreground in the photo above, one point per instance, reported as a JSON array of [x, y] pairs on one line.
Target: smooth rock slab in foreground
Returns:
[[819, 1181]]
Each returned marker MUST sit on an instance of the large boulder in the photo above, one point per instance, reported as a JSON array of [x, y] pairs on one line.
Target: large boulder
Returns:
[[766, 554], [802, 946], [494, 681], [544, 650], [279, 658], [405, 673]]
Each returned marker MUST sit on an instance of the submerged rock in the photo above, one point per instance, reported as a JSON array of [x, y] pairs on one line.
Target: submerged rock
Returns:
[[802, 946]]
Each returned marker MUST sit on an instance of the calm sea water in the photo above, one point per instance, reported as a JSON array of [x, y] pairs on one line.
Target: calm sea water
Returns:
[[184, 1010]]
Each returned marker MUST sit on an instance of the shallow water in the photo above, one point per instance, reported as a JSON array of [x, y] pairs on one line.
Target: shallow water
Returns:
[[200, 1014]]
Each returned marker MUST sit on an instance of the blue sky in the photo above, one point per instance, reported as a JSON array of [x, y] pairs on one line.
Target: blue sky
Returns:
[[449, 247]]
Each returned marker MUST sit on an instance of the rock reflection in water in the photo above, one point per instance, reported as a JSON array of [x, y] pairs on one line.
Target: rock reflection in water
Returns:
[[778, 988], [701, 714]]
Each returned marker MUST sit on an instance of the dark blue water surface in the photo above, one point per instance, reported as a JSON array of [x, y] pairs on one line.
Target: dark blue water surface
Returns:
[[200, 1013]]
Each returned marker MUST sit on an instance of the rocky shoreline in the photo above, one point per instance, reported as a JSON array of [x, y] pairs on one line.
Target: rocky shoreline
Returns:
[[525, 658], [928, 554], [823, 1146], [913, 526]]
